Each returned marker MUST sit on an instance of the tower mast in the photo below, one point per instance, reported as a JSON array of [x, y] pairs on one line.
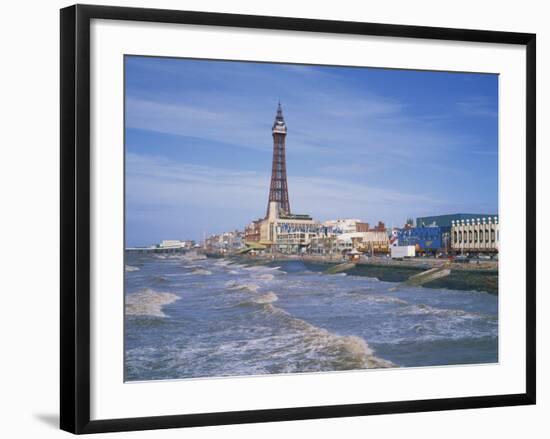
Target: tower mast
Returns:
[[278, 190]]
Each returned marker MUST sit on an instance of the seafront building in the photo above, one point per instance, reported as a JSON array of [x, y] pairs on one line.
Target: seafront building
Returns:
[[344, 225], [175, 243], [425, 239], [225, 242], [285, 232], [447, 220], [476, 235], [452, 233], [252, 231]]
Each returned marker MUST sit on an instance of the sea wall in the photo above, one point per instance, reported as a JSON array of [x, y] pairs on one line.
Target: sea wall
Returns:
[[462, 277], [459, 279]]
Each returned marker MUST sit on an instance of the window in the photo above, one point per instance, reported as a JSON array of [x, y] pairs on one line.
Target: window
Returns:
[[492, 235], [456, 237], [470, 236], [460, 236], [475, 235]]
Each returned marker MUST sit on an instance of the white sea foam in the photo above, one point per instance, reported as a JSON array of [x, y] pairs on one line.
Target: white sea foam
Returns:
[[148, 302], [268, 297], [262, 299], [201, 272], [266, 276], [335, 352], [422, 309], [261, 268], [385, 299], [131, 268], [234, 285]]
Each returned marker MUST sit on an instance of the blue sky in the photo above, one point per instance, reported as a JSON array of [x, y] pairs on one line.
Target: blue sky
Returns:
[[374, 144]]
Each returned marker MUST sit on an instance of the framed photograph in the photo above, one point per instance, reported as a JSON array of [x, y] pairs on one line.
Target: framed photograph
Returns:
[[268, 218]]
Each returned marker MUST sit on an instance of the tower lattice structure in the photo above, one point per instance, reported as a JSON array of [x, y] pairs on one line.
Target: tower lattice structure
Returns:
[[278, 190]]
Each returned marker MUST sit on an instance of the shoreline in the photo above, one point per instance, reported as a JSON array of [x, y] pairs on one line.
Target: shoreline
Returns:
[[482, 277]]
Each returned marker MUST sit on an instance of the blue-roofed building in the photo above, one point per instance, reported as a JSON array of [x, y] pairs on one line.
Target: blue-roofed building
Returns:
[[426, 239], [446, 220]]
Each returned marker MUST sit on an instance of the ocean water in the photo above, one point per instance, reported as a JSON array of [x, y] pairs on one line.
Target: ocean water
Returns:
[[188, 318]]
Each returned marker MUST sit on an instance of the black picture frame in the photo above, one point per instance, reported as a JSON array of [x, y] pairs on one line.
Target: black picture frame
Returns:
[[75, 217]]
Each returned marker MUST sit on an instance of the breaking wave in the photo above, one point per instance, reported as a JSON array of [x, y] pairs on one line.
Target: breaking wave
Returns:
[[148, 302], [234, 285], [386, 299], [130, 268], [422, 309], [327, 350], [196, 270], [261, 268], [266, 276], [262, 299]]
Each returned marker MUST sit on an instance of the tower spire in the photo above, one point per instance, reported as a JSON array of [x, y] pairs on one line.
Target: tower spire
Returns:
[[278, 190], [279, 117]]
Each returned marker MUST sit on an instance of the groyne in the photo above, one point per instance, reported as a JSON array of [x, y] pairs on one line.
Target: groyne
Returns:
[[465, 277]]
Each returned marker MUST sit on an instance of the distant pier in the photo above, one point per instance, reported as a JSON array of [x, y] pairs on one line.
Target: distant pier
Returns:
[[159, 250]]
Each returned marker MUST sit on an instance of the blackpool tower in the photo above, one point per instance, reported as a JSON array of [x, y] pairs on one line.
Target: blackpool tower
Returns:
[[278, 190]]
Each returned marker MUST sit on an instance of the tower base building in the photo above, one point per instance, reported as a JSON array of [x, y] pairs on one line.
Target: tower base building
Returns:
[[287, 233]]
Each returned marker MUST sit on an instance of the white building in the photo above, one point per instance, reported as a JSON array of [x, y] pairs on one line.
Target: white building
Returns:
[[475, 235], [172, 243], [344, 225], [367, 242]]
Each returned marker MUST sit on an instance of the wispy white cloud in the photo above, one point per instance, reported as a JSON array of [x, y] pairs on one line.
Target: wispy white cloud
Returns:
[[192, 120], [168, 184], [478, 106], [350, 125]]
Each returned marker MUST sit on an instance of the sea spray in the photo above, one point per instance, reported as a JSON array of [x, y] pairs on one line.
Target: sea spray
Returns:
[[148, 302]]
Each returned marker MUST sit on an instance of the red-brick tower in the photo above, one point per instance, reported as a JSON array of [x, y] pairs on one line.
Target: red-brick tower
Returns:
[[278, 190]]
